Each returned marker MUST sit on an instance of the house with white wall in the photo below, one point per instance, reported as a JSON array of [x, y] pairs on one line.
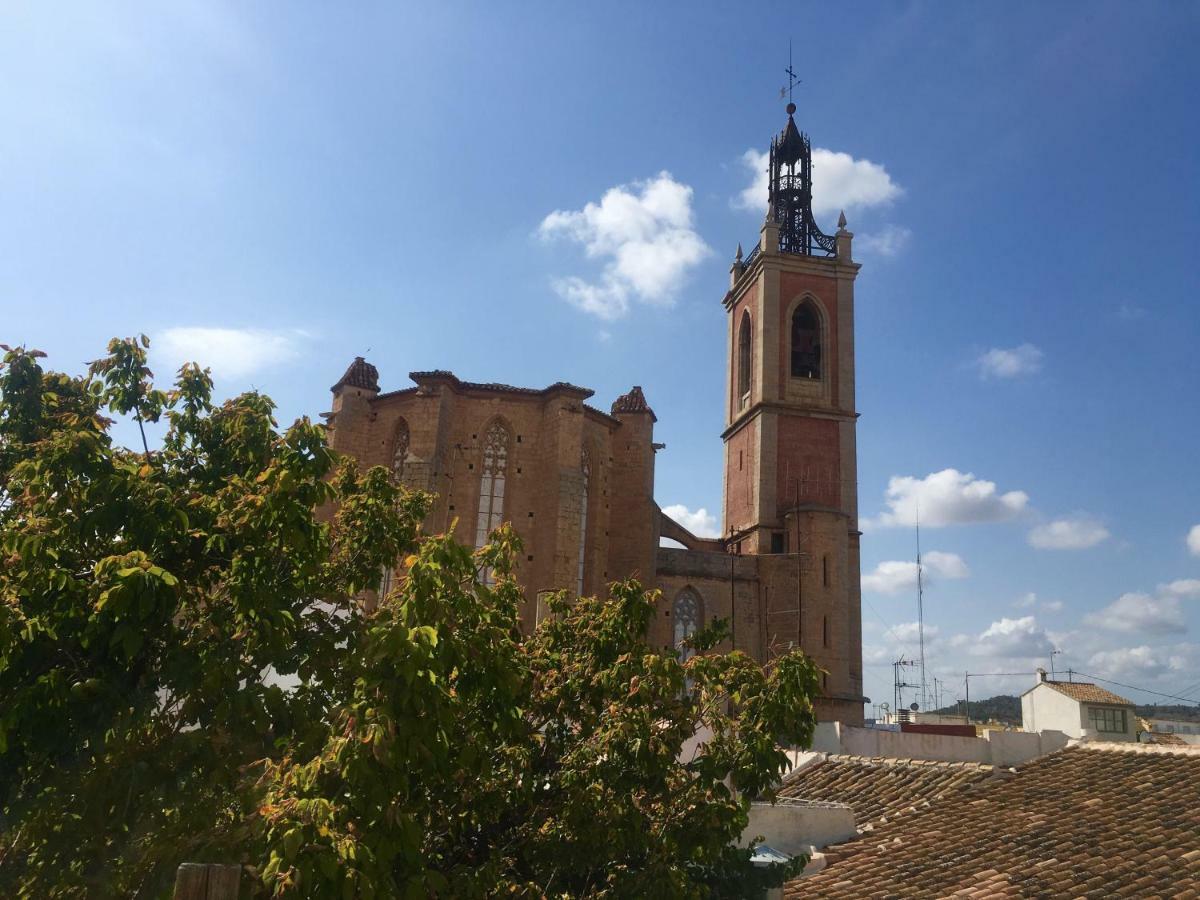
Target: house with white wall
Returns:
[[1079, 709]]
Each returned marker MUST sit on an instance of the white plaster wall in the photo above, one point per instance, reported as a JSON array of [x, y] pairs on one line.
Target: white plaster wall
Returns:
[[999, 748], [1045, 709], [795, 828], [1012, 748]]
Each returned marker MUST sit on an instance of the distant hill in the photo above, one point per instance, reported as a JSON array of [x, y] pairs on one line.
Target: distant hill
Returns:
[[1176, 711], [1006, 708], [1003, 708]]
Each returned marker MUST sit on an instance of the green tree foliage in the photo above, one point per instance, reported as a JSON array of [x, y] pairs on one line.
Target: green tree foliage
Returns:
[[187, 675]]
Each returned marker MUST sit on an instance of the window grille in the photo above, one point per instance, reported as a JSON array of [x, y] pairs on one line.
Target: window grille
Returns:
[[1109, 720], [687, 620], [492, 477]]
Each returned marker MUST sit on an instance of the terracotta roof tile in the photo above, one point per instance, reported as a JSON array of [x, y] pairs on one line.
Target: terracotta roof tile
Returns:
[[496, 386], [359, 374], [1096, 820], [878, 789], [1086, 692], [634, 401], [1163, 737]]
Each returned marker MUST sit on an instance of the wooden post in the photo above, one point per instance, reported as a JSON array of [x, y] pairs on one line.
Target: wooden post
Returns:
[[207, 881]]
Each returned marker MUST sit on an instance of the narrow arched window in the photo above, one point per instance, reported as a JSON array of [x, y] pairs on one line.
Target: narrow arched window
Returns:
[[806, 341], [399, 450], [491, 483], [585, 466], [743, 361], [494, 473], [686, 613]]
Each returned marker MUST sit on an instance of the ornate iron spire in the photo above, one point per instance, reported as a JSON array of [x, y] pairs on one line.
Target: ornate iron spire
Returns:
[[790, 194]]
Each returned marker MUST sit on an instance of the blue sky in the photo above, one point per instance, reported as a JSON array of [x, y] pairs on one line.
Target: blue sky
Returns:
[[279, 187]]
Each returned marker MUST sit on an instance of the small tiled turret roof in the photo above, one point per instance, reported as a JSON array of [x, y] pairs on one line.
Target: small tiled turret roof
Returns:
[[634, 401], [360, 374]]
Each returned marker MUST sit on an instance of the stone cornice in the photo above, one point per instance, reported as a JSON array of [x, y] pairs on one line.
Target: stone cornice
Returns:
[[827, 267], [778, 406]]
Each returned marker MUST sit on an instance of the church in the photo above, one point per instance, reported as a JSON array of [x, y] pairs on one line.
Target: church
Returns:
[[577, 482]]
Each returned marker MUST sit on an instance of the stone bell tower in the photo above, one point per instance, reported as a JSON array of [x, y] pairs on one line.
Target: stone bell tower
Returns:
[[790, 459]]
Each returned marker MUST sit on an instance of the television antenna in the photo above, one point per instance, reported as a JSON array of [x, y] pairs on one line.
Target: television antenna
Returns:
[[899, 684]]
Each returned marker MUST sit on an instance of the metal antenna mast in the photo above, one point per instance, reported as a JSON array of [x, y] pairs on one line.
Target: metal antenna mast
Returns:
[[921, 610], [899, 684]]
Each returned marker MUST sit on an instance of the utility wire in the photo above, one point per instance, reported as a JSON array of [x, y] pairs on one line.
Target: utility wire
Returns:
[[1134, 687], [1189, 688], [895, 637]]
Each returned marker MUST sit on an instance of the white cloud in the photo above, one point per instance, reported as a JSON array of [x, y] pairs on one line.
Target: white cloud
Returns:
[[893, 576], [229, 352], [1031, 601], [1193, 540], [1011, 363], [910, 633], [1183, 587], [701, 522], [1070, 533], [1135, 662], [1014, 638], [874, 655], [891, 240], [839, 182], [1140, 612], [948, 497], [643, 232]]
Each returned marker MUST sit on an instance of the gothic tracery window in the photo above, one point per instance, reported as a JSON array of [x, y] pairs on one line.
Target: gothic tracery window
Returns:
[[743, 378], [399, 456], [586, 470], [686, 613], [806, 341], [491, 482], [399, 450]]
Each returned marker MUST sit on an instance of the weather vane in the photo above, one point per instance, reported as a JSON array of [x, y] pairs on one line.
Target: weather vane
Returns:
[[791, 74]]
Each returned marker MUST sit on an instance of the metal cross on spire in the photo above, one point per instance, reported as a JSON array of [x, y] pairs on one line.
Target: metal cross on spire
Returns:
[[791, 74]]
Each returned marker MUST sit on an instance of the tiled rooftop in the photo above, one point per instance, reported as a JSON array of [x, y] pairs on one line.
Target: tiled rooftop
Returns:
[[496, 386], [1163, 737], [881, 789], [1097, 820], [1086, 692], [634, 401], [359, 374]]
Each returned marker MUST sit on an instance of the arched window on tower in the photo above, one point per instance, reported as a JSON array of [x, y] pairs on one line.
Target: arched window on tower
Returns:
[[806, 341], [399, 450], [585, 466], [491, 486], [743, 361], [686, 613]]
